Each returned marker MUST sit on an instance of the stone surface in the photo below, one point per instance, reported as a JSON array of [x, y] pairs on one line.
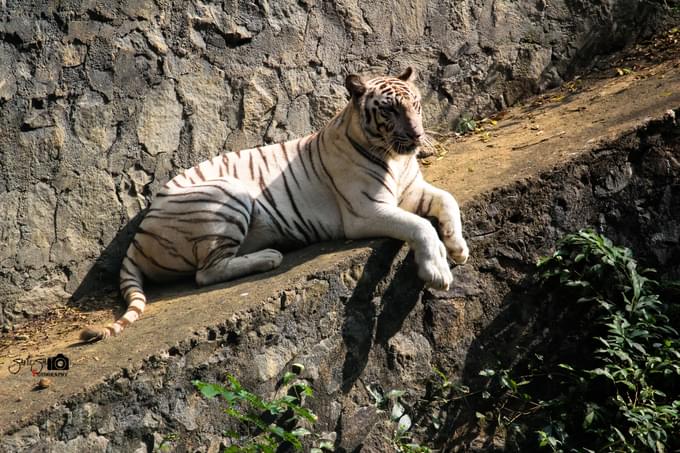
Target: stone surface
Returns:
[[160, 121], [101, 102]]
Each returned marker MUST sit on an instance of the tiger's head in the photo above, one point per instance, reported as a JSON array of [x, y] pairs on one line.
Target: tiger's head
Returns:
[[389, 111]]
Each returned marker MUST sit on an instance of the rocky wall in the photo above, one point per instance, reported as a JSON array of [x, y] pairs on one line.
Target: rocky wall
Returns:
[[101, 102]]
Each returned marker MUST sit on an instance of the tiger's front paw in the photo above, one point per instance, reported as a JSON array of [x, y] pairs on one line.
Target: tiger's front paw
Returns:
[[456, 246], [457, 250], [433, 268]]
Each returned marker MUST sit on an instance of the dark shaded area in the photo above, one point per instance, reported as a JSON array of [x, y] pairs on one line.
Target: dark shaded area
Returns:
[[103, 275], [362, 312], [630, 193]]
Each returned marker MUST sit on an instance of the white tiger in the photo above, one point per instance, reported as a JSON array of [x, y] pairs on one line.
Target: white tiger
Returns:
[[358, 177]]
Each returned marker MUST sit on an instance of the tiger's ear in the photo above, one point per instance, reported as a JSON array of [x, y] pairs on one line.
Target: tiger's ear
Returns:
[[355, 85], [408, 75]]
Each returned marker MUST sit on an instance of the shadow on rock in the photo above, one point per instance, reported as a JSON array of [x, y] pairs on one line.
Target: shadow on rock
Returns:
[[103, 275], [361, 312], [375, 313]]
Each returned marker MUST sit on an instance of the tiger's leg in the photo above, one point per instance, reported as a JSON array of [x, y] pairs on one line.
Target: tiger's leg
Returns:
[[426, 200], [239, 266], [394, 222]]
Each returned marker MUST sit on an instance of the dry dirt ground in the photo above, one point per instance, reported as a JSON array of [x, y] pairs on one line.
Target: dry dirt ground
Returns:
[[522, 142]]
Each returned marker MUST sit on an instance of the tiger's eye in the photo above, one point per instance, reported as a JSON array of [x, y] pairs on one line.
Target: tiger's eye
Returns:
[[388, 108]]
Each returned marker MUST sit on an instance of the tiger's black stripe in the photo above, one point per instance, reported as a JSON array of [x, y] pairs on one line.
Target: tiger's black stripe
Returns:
[[223, 217], [125, 289], [251, 166], [271, 216], [264, 159], [349, 206], [199, 173], [272, 203], [180, 194], [408, 186], [373, 174], [374, 200], [203, 237], [225, 192], [307, 239], [135, 309], [167, 244], [213, 201], [218, 253], [368, 155], [310, 144], [294, 205], [290, 166], [124, 266], [301, 156], [367, 112], [153, 261], [291, 228], [325, 231]]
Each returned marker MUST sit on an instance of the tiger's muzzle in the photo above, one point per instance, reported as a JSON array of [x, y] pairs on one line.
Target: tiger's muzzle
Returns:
[[407, 143]]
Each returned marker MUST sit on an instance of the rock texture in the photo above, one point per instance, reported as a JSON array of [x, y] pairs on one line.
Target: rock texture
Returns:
[[101, 102]]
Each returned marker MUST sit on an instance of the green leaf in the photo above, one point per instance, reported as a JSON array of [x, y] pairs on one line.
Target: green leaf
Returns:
[[404, 424], [397, 411], [326, 445], [209, 390], [588, 420], [288, 376], [393, 394], [305, 413], [304, 389], [376, 394], [300, 432]]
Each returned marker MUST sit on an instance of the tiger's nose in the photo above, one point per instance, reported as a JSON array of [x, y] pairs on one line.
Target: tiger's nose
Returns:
[[414, 135]]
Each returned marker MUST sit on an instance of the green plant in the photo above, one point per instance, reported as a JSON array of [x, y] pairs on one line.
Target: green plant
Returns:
[[266, 426], [638, 357], [167, 442], [620, 392], [466, 124], [402, 433]]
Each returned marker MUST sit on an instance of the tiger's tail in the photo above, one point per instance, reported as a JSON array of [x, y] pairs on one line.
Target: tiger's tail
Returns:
[[131, 288]]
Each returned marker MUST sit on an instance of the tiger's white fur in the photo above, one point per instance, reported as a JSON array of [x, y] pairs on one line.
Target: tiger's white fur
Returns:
[[358, 177]]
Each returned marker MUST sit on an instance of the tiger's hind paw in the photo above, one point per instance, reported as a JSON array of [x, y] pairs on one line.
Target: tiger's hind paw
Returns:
[[267, 259]]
